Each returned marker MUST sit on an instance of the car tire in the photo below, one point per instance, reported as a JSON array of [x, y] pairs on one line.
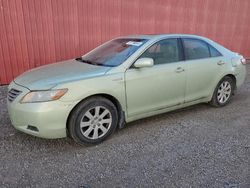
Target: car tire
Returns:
[[93, 120], [223, 92]]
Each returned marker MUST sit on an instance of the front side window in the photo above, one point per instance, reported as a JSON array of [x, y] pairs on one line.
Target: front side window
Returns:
[[195, 49], [113, 53], [165, 51]]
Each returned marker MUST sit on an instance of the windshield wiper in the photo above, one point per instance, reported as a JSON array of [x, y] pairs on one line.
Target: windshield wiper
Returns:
[[90, 62], [83, 60]]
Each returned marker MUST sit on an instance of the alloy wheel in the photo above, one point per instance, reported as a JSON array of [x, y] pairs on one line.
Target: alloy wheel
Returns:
[[224, 92], [96, 122]]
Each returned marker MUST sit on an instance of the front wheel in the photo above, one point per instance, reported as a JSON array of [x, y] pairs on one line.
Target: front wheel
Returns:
[[93, 120], [223, 92]]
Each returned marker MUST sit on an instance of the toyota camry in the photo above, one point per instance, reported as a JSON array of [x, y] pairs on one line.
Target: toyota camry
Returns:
[[124, 79]]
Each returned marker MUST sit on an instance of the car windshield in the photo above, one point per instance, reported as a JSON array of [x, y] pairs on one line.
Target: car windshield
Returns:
[[113, 53]]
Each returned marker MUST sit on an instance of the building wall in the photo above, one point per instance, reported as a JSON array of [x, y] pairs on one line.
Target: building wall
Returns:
[[38, 32]]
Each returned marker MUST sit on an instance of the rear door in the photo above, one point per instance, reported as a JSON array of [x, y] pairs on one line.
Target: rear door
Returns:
[[203, 63]]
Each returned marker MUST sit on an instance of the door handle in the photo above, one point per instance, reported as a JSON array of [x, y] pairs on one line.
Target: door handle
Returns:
[[220, 63], [179, 69]]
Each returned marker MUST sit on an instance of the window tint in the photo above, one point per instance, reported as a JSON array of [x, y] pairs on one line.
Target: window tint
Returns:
[[165, 51], [195, 49], [214, 52]]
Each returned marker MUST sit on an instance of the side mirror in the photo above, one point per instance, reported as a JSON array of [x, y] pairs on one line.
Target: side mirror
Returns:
[[144, 62]]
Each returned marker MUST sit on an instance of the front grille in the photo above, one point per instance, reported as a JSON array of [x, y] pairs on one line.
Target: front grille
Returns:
[[13, 94]]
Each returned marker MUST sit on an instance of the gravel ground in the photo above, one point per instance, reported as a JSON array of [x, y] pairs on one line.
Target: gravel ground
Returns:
[[199, 146]]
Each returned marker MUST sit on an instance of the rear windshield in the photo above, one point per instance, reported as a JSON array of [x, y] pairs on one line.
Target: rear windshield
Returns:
[[114, 52]]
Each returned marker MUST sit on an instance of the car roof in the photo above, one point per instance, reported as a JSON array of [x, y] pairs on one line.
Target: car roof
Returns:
[[158, 36]]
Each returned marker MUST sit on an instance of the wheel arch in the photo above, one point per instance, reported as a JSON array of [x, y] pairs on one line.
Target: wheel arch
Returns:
[[226, 75], [233, 78], [114, 100]]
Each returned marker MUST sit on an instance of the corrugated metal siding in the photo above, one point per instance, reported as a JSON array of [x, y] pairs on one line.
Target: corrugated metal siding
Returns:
[[38, 32]]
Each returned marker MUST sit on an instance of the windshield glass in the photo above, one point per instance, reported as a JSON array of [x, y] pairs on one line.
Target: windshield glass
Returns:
[[113, 53]]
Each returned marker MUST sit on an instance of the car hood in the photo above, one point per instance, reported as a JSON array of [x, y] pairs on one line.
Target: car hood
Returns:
[[48, 76]]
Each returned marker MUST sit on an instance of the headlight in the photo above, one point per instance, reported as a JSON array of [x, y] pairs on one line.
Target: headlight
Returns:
[[43, 96]]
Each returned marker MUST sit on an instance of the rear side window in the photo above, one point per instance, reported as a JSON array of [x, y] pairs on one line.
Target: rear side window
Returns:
[[164, 51], [195, 49], [214, 52]]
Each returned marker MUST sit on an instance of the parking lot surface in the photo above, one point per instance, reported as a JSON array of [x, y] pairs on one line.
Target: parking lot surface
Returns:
[[200, 146]]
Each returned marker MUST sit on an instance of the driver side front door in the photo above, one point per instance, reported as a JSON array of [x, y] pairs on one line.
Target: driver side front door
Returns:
[[163, 85]]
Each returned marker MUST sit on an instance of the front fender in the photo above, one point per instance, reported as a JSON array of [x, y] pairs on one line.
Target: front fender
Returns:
[[112, 85]]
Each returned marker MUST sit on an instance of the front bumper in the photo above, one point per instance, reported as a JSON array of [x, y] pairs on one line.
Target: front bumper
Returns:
[[49, 118]]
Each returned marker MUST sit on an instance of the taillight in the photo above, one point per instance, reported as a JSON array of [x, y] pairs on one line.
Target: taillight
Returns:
[[243, 61]]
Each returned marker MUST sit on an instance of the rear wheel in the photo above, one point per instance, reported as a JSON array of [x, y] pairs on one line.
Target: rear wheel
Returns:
[[93, 120], [223, 92]]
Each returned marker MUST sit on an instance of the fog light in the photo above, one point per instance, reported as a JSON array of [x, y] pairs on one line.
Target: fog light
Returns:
[[32, 128]]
